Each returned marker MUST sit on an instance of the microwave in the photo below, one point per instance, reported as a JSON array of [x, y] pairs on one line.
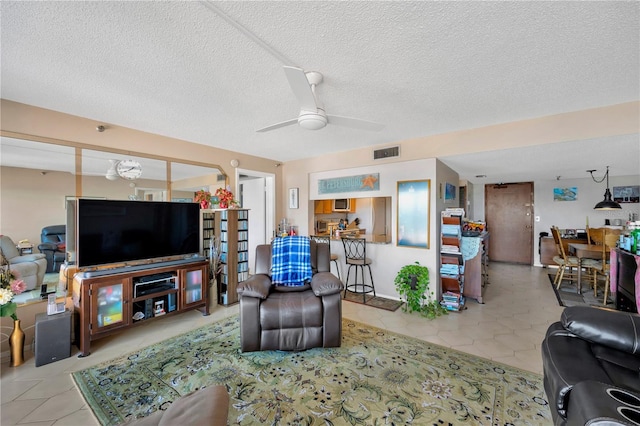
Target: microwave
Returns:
[[341, 205], [322, 227]]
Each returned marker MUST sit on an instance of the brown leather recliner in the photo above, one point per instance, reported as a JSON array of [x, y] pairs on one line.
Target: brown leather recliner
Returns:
[[291, 318]]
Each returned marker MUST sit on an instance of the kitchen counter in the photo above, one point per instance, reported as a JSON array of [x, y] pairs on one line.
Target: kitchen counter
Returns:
[[368, 238]]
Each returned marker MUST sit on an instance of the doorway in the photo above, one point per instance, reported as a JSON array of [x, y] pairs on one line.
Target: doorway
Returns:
[[256, 192], [509, 216]]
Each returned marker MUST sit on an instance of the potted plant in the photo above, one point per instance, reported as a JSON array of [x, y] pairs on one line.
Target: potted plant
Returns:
[[412, 283]]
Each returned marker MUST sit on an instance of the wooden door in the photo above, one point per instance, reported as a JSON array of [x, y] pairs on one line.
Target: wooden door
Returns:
[[509, 216]]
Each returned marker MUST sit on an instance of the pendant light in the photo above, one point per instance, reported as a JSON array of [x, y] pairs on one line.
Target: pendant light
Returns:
[[607, 203]]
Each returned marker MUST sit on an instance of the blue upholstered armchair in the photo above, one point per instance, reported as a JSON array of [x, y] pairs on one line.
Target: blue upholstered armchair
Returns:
[[53, 246]]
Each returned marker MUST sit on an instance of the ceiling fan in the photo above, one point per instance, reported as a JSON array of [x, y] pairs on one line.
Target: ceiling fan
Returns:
[[312, 115]]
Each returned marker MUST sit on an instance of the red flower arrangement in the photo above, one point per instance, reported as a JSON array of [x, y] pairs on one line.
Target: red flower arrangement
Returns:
[[204, 198], [225, 198]]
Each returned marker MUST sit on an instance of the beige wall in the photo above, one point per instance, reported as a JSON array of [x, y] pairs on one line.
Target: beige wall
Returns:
[[41, 124], [32, 199], [619, 119], [27, 122]]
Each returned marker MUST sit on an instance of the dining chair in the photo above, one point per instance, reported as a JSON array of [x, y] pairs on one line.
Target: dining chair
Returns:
[[355, 254], [603, 265], [323, 239], [563, 261], [596, 235]]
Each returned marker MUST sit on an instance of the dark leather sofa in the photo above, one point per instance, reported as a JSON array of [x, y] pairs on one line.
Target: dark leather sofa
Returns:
[[591, 363], [291, 318], [53, 246]]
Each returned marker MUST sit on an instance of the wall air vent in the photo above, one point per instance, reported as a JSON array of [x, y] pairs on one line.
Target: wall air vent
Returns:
[[393, 151], [221, 178]]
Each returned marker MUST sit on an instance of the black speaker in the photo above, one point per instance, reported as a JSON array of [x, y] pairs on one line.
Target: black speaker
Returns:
[[148, 308], [53, 337]]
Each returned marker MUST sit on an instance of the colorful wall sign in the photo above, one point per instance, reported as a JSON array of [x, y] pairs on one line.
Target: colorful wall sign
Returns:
[[358, 183]]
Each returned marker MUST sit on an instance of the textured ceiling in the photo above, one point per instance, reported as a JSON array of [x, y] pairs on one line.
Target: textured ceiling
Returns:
[[211, 72]]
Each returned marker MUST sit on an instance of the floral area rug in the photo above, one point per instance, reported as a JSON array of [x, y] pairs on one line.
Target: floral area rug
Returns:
[[375, 378]]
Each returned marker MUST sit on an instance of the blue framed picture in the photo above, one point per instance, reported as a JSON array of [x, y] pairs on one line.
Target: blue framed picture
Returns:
[[413, 213], [565, 194], [449, 191]]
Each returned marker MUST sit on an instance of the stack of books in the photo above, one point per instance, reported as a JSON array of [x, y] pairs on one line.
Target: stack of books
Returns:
[[451, 270], [449, 249], [452, 301]]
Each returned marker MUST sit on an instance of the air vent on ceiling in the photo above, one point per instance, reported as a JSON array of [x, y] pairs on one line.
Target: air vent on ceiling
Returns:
[[393, 151]]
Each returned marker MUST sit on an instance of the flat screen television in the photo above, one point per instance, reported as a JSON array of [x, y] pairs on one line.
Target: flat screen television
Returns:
[[120, 231]]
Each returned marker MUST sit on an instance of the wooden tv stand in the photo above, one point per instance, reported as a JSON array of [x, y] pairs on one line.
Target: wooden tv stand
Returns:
[[112, 302]]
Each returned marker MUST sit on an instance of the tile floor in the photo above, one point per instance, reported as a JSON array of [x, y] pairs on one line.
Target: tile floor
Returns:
[[508, 328]]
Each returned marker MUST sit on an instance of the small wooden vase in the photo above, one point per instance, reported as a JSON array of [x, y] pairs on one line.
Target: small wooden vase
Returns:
[[16, 344]]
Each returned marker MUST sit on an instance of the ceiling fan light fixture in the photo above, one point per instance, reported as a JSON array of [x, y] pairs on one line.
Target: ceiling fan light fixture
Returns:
[[312, 121], [312, 115]]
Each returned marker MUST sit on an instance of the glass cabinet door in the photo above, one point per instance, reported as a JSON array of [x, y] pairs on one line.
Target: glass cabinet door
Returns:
[[194, 285], [109, 303]]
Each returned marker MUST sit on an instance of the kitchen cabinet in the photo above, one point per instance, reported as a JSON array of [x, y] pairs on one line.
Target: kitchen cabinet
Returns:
[[323, 206], [326, 206]]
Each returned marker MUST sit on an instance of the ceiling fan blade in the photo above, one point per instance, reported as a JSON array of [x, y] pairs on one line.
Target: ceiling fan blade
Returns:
[[355, 123], [111, 171], [301, 88], [278, 125]]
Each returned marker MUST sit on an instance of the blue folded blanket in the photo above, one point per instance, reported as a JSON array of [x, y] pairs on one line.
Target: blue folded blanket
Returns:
[[291, 261]]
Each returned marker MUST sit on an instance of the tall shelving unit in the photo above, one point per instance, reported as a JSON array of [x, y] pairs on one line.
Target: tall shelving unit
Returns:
[[451, 260], [231, 226], [207, 230]]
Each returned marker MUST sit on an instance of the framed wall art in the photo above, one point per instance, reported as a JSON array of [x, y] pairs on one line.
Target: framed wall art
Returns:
[[293, 198], [449, 192], [626, 194], [413, 213], [565, 194]]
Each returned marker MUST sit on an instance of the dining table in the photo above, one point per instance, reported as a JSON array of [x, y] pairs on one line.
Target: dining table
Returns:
[[584, 251]]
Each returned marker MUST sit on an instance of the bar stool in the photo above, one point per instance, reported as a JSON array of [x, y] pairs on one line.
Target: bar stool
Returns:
[[355, 254], [334, 257]]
